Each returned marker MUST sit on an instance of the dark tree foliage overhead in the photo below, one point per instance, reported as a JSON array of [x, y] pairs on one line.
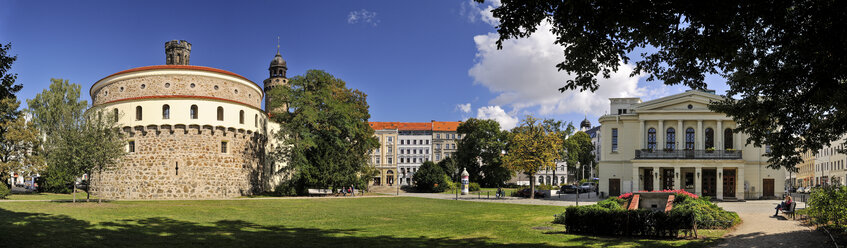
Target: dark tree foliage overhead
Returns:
[[325, 137], [784, 61]]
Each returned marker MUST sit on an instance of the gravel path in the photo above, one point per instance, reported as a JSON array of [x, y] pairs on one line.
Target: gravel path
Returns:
[[760, 229], [565, 200]]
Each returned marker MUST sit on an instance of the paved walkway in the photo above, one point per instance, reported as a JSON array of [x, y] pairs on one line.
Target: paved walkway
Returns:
[[760, 229], [565, 200]]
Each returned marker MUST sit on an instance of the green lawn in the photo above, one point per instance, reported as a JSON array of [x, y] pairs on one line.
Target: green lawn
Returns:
[[48, 196], [315, 222], [485, 191]]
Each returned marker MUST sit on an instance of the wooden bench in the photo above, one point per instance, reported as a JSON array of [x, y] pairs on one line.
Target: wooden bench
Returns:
[[322, 192], [790, 210]]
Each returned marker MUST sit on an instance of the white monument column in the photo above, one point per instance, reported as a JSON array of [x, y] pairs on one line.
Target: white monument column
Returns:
[[719, 186], [698, 181], [677, 182], [739, 182], [699, 141], [657, 180], [660, 135], [719, 136]]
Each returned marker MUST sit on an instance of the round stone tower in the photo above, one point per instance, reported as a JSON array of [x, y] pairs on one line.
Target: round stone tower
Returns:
[[276, 78], [177, 52]]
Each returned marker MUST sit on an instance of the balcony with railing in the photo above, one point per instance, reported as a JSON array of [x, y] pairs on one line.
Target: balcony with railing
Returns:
[[687, 154]]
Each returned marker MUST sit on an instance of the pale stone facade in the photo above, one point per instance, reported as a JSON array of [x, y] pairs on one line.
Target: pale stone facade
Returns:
[[192, 132], [676, 142], [829, 165]]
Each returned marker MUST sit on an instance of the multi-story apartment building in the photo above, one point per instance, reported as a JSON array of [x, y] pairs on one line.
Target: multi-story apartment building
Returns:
[[553, 176], [444, 139], [805, 175], [830, 165], [415, 148], [676, 142], [384, 158]]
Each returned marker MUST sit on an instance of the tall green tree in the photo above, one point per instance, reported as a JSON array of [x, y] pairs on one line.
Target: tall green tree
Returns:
[[579, 151], [533, 147], [430, 178], [8, 109], [20, 146], [78, 140], [480, 152], [783, 60], [326, 137]]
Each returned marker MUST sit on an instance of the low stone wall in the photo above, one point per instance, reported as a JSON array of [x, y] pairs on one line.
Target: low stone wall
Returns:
[[185, 162]]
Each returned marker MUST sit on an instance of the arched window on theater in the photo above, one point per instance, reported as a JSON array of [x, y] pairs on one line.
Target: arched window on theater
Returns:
[[651, 138], [710, 138], [670, 141], [727, 138], [689, 139], [220, 113]]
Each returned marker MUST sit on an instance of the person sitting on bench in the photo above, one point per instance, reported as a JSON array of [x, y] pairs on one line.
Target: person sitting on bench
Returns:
[[784, 205]]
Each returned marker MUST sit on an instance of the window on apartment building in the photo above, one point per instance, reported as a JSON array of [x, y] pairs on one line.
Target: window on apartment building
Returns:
[[377, 159], [710, 138], [689, 139], [427, 142], [389, 160], [670, 139], [614, 139], [437, 156], [437, 146], [390, 140], [651, 138]]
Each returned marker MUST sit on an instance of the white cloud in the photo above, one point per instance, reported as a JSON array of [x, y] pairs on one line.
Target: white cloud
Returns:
[[363, 16], [465, 108], [498, 114], [474, 11], [523, 74]]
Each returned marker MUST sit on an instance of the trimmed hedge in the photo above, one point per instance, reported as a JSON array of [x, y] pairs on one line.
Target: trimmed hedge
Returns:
[[598, 220]]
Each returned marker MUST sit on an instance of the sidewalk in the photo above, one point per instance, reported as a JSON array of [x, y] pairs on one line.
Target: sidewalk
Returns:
[[566, 200], [760, 229]]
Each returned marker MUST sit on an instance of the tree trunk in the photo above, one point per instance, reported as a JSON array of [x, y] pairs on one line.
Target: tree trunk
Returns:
[[88, 188], [532, 186], [99, 177]]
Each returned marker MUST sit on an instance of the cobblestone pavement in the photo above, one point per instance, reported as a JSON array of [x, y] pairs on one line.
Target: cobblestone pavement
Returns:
[[760, 229], [565, 200]]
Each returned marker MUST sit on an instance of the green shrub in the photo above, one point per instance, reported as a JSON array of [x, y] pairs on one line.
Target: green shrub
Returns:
[[4, 191], [612, 203], [828, 206], [614, 220], [707, 214], [543, 187], [430, 178], [473, 187], [55, 180]]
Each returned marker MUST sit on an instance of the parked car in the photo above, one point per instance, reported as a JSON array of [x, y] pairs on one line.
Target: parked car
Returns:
[[525, 193], [588, 187], [565, 189]]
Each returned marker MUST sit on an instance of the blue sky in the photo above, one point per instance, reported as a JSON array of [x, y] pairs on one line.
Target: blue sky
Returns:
[[417, 61]]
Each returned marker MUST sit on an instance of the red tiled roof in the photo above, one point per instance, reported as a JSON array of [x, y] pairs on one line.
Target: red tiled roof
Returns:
[[381, 125], [445, 125], [416, 126]]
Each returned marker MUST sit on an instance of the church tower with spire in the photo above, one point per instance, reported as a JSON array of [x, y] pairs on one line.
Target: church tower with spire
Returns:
[[277, 78]]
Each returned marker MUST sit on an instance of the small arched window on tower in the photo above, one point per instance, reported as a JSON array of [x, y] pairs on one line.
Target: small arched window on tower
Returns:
[[220, 113], [137, 113], [193, 112], [117, 114], [256, 120], [241, 117], [166, 112]]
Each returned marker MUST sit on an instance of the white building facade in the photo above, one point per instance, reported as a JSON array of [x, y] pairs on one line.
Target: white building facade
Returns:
[[830, 165], [676, 142], [415, 148]]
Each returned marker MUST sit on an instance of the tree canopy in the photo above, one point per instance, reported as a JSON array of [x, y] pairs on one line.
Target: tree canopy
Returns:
[[325, 136], [784, 61], [580, 150], [480, 151], [534, 146]]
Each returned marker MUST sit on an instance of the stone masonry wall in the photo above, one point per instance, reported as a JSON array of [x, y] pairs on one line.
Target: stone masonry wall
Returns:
[[169, 85], [203, 172]]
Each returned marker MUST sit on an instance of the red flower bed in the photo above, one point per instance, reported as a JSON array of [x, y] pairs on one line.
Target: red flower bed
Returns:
[[676, 192]]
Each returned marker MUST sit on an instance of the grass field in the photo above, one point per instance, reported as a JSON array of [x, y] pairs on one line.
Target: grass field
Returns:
[[48, 196], [485, 191], [314, 222]]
